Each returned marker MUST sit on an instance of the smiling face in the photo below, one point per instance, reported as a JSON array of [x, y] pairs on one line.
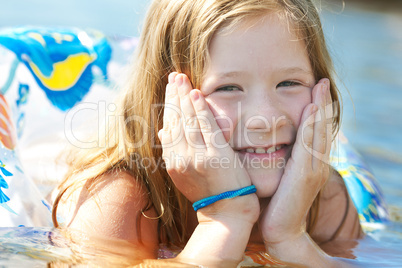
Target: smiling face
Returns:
[[258, 81]]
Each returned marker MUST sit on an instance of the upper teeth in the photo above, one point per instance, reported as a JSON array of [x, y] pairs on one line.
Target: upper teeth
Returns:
[[264, 151]]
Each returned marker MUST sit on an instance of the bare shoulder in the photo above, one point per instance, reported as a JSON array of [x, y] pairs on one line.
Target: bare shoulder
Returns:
[[337, 215], [113, 207]]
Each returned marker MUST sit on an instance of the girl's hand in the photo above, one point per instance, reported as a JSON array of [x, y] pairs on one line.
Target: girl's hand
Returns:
[[284, 220], [197, 156]]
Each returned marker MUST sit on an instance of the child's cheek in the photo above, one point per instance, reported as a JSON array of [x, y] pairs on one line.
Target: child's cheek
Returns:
[[224, 118], [299, 107], [226, 124]]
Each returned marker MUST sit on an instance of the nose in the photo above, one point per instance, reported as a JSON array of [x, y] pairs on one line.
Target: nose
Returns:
[[264, 115]]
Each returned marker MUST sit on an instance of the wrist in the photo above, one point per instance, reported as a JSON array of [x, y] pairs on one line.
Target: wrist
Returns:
[[300, 250], [241, 209], [223, 232]]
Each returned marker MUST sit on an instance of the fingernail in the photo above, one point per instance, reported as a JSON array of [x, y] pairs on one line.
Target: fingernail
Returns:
[[326, 84], [171, 78], [314, 109], [179, 80], [194, 95]]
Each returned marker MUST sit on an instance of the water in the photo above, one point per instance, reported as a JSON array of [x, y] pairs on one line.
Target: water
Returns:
[[47, 247], [32, 247], [367, 48]]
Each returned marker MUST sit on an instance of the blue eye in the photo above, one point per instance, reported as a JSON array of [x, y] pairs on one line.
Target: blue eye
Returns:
[[228, 88], [288, 84]]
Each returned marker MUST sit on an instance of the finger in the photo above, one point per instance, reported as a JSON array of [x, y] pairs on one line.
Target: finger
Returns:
[[191, 126], [168, 100], [322, 135], [329, 112], [211, 132], [172, 128], [160, 134], [303, 147]]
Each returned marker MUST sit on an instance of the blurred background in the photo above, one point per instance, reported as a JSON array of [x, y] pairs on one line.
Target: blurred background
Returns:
[[364, 37]]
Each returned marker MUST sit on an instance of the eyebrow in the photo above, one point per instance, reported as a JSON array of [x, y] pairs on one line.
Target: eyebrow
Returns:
[[229, 75], [289, 70], [292, 70]]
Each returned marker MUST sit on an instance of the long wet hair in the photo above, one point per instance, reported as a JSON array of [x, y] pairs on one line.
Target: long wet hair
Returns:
[[175, 37]]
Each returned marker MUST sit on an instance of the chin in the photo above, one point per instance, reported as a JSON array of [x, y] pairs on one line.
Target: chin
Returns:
[[266, 181]]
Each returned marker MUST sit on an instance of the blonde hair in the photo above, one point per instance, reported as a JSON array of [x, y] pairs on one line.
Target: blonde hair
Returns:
[[175, 37]]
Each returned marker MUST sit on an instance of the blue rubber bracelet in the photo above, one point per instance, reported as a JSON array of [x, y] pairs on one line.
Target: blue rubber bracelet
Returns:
[[226, 195]]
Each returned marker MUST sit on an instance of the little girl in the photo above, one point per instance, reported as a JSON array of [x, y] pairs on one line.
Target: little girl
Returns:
[[223, 140]]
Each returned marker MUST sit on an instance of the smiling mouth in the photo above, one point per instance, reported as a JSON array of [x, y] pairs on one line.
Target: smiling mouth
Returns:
[[269, 150]]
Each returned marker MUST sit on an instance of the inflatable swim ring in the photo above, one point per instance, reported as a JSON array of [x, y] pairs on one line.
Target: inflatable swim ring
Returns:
[[59, 63], [363, 188]]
